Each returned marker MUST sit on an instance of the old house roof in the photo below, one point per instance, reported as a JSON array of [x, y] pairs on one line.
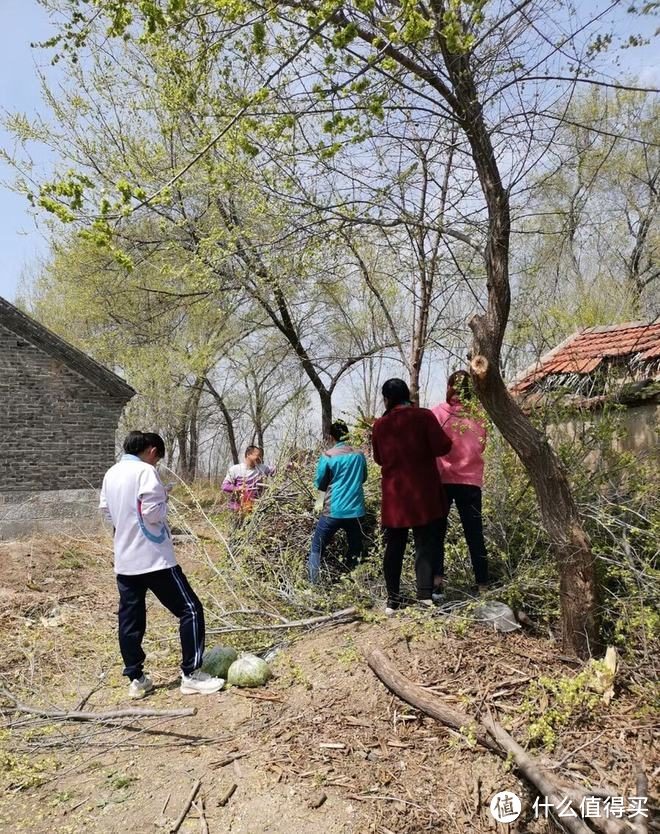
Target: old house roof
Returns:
[[32, 331], [583, 352]]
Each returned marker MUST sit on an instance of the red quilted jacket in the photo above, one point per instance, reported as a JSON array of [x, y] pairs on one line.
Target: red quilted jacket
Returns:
[[406, 442]]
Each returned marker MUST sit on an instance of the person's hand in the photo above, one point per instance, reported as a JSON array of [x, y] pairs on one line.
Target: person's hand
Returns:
[[318, 506]]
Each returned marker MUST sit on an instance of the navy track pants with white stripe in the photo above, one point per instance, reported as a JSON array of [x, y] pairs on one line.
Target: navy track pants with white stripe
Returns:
[[173, 590]]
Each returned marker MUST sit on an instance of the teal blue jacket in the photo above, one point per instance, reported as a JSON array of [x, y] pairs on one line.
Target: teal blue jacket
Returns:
[[340, 473]]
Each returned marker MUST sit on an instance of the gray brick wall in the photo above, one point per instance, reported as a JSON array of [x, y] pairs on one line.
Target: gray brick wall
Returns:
[[57, 430]]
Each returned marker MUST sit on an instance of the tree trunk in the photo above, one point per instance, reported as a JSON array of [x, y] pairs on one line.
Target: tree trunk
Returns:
[[258, 436], [182, 443], [193, 447], [279, 314], [575, 562], [193, 429], [170, 442], [229, 422], [326, 412]]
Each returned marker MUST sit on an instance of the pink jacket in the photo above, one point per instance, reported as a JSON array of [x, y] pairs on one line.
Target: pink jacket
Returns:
[[464, 463]]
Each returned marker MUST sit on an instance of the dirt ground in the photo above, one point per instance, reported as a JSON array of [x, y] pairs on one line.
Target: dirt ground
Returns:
[[324, 726]]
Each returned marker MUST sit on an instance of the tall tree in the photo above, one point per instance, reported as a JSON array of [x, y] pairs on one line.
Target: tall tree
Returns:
[[496, 72]]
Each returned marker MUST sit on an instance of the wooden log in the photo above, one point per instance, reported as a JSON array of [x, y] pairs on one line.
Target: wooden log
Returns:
[[489, 734], [424, 701], [541, 780]]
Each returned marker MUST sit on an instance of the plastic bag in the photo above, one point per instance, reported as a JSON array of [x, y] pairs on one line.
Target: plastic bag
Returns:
[[497, 615]]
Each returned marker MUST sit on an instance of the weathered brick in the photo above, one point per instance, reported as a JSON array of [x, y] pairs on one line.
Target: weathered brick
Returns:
[[58, 410]]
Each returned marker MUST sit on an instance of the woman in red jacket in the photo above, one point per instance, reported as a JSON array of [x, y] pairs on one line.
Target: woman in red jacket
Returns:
[[406, 442]]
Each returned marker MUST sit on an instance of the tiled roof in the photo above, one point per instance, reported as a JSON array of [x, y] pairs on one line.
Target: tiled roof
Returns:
[[34, 332], [583, 352]]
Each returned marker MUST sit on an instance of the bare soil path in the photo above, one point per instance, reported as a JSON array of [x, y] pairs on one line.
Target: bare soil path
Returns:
[[323, 727]]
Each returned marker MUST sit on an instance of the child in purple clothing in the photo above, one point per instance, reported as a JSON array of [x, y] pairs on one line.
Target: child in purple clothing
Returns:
[[462, 473], [245, 481]]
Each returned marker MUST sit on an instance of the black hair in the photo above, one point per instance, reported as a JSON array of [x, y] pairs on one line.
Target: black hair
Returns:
[[134, 443], [137, 442], [251, 449], [396, 392], [461, 382], [155, 440], [339, 430]]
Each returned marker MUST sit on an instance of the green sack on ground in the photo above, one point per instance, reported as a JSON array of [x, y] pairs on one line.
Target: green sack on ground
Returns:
[[248, 670]]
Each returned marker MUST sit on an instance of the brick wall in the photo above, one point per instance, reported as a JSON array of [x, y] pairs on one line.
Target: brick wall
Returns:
[[57, 430]]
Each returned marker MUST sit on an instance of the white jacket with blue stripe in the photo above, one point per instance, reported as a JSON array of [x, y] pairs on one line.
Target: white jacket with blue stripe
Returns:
[[134, 500]]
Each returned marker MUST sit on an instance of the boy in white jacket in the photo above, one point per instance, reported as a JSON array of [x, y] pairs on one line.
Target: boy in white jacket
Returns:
[[134, 501]]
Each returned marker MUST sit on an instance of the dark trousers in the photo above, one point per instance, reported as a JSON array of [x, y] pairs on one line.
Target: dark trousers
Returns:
[[468, 504], [426, 545], [173, 590], [325, 531]]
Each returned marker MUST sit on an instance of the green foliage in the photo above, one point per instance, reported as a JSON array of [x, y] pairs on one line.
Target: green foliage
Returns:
[[615, 491], [19, 772], [553, 703], [349, 655]]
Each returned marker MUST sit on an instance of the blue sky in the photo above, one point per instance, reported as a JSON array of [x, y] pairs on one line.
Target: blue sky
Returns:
[[24, 21], [21, 243]]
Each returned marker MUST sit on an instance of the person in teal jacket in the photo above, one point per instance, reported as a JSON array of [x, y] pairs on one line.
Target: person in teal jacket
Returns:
[[340, 473]]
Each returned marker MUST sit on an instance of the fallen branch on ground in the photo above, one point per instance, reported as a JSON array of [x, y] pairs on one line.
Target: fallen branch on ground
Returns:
[[258, 696], [203, 824], [231, 757], [184, 812], [344, 614], [493, 736], [77, 715], [92, 691], [227, 795], [641, 824], [423, 700]]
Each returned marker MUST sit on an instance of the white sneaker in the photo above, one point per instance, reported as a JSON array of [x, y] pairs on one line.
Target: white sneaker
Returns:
[[438, 597], [140, 687], [425, 603], [200, 683], [389, 612]]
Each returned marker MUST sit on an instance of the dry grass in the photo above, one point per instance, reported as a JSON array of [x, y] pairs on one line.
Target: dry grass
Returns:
[[389, 769]]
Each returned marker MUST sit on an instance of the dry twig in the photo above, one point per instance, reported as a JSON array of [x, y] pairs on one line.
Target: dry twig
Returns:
[[641, 824], [78, 715], [227, 795], [499, 742], [184, 812], [203, 823], [344, 614]]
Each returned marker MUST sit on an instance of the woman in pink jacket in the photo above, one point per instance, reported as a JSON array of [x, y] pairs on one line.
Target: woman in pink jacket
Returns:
[[462, 473]]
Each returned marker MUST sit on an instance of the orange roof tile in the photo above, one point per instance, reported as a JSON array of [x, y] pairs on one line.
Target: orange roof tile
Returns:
[[582, 352]]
